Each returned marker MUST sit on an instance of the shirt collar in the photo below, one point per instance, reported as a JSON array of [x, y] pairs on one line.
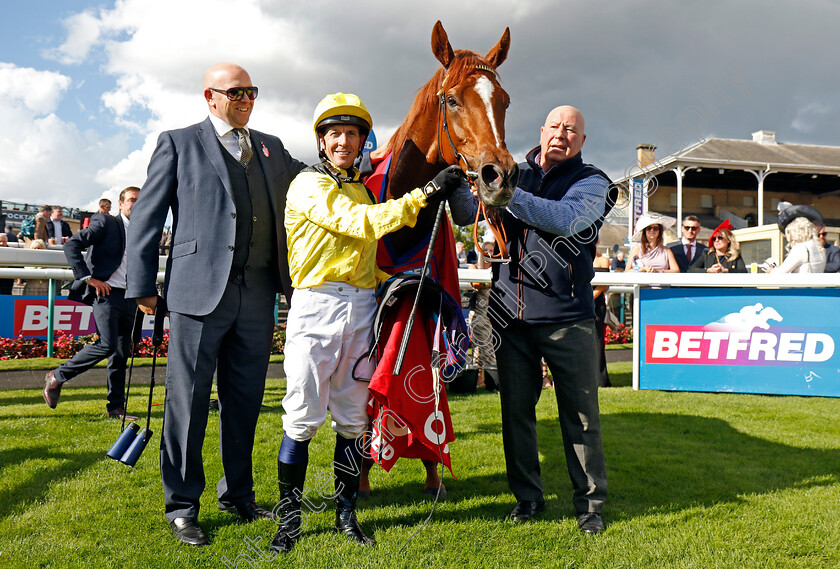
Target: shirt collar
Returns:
[[223, 128]]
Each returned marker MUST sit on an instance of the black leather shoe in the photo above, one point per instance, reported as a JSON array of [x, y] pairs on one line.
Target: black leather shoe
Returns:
[[249, 511], [187, 530], [525, 510], [590, 523], [119, 413], [52, 389]]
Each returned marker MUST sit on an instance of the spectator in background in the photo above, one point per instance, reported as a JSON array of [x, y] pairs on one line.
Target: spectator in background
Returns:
[[832, 252], [460, 253], [5, 284], [617, 263], [805, 252], [165, 242], [481, 328], [649, 253], [40, 229], [723, 254], [100, 282], [10, 236], [37, 286], [687, 250], [105, 206], [58, 230]]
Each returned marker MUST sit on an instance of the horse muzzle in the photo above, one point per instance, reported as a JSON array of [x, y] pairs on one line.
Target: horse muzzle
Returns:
[[496, 185]]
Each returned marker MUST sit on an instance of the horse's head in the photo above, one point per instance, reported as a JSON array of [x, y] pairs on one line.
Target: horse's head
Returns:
[[471, 122]]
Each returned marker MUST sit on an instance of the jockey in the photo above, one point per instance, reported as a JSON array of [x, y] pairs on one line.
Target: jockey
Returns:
[[332, 225]]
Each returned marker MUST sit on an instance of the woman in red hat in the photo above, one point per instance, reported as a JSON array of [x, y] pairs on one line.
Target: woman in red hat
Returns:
[[723, 254]]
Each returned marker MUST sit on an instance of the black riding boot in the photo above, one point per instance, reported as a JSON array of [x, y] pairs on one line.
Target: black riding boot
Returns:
[[291, 477], [347, 489]]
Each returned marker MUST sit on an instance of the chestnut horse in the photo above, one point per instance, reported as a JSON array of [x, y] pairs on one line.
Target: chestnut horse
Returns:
[[458, 117]]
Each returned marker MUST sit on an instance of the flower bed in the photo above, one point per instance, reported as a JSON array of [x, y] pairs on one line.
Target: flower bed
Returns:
[[66, 345], [621, 334]]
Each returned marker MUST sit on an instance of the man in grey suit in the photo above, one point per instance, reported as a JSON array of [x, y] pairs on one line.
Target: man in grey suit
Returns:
[[100, 282], [226, 187]]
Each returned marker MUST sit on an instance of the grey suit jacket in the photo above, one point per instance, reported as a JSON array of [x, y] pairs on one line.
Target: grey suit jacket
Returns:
[[187, 174]]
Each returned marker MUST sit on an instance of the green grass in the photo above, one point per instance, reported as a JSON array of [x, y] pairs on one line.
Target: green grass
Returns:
[[52, 363], [697, 480]]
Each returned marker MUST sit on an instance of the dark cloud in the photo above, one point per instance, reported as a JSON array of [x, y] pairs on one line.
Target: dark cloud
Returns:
[[641, 71], [664, 73]]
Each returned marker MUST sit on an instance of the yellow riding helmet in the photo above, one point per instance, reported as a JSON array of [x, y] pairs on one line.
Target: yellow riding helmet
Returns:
[[341, 108]]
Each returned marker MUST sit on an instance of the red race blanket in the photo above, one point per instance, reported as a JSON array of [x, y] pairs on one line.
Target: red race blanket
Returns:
[[406, 419]]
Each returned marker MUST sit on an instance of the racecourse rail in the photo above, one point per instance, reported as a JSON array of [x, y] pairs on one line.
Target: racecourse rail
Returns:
[[14, 263]]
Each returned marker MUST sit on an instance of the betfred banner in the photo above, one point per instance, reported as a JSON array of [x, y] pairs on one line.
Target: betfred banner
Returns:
[[784, 342], [28, 316], [638, 203]]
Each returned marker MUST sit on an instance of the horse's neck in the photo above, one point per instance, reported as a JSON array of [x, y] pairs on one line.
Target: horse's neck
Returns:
[[412, 166]]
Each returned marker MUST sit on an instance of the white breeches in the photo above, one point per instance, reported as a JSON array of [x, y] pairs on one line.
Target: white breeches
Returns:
[[329, 327]]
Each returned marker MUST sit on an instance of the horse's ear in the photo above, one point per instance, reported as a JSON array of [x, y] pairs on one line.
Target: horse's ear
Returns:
[[498, 54], [441, 46]]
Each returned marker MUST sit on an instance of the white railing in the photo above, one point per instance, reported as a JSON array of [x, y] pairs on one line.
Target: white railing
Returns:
[[14, 263]]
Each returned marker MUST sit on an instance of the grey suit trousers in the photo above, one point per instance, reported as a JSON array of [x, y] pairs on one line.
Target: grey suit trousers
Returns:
[[571, 352], [234, 341]]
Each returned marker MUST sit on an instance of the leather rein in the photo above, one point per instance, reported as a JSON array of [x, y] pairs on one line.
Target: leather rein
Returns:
[[492, 216]]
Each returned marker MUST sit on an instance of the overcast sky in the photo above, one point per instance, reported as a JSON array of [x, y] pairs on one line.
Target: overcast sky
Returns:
[[87, 86]]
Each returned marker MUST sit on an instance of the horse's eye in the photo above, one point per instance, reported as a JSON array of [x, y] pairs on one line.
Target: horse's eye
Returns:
[[450, 100]]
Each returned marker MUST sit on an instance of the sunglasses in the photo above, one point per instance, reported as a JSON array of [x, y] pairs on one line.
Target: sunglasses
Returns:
[[652, 228], [821, 234], [237, 93], [691, 227], [718, 238]]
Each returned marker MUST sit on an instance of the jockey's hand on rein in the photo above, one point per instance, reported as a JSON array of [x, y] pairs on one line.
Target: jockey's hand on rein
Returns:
[[445, 183]]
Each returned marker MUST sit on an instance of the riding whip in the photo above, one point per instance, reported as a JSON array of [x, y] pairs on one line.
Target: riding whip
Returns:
[[410, 322]]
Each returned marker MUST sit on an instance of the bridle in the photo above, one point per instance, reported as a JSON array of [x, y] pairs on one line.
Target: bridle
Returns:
[[492, 217]]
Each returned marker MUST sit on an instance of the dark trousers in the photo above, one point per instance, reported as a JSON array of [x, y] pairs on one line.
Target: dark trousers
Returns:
[[571, 352], [114, 318], [234, 341]]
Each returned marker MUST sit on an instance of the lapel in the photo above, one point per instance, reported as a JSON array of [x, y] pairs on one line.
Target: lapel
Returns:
[[207, 136], [257, 144]]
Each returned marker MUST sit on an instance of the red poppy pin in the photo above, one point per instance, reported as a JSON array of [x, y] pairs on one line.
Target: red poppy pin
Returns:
[[265, 150]]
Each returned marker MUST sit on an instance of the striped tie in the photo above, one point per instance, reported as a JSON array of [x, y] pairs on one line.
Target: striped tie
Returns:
[[245, 158]]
